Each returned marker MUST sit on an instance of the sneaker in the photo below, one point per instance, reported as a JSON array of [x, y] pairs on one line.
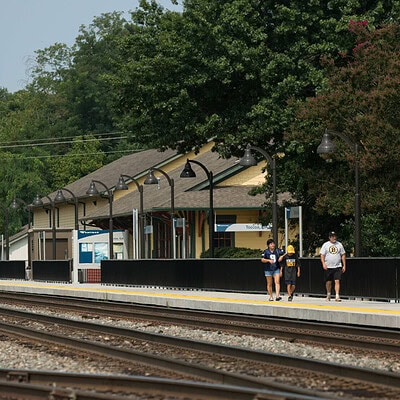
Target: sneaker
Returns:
[[338, 299], [290, 298], [271, 299], [328, 297], [278, 298]]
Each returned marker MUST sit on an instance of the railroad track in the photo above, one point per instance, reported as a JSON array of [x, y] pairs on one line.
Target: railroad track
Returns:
[[365, 338], [56, 385], [171, 354]]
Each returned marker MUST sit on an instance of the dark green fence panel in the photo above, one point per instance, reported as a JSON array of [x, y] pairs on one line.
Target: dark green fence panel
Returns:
[[51, 270], [375, 278], [233, 274], [12, 269], [372, 278]]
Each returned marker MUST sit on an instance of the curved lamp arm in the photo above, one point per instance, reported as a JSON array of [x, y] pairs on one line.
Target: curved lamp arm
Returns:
[[75, 204], [249, 160], [92, 191], [123, 186], [152, 180], [189, 173], [28, 207], [345, 138], [263, 152], [171, 184], [327, 146], [38, 202], [208, 173], [139, 188], [170, 180], [14, 205]]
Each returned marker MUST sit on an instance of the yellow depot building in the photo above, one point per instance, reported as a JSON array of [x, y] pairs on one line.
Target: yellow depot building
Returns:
[[158, 205]]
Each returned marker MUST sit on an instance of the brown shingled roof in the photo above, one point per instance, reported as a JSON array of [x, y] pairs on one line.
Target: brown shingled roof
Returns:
[[156, 196], [135, 164], [225, 197], [187, 193]]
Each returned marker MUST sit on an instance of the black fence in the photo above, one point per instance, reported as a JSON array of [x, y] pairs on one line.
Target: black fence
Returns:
[[375, 278], [12, 269], [218, 274], [369, 278], [52, 270]]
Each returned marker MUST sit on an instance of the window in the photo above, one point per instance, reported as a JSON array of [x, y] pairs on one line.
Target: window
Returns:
[[225, 239]]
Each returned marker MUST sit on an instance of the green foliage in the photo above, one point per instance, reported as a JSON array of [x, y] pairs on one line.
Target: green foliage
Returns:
[[361, 101], [379, 238], [233, 252], [270, 73], [83, 158], [228, 69], [22, 178]]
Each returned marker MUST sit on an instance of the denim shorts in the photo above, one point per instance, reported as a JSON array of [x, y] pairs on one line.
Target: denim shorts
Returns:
[[274, 272]]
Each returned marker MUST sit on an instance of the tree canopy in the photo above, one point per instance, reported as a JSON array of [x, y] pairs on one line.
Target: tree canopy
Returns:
[[362, 102], [274, 74], [228, 69]]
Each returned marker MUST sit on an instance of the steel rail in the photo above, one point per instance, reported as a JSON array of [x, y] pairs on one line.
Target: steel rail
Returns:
[[162, 363], [142, 385], [40, 392], [361, 374], [384, 340]]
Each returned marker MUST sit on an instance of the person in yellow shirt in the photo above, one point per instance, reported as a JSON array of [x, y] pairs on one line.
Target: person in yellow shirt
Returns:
[[290, 269]]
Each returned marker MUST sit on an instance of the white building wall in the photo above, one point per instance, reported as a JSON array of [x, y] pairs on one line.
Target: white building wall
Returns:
[[19, 249]]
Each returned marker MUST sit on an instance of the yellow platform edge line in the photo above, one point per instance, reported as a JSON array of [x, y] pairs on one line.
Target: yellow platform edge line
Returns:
[[207, 298]]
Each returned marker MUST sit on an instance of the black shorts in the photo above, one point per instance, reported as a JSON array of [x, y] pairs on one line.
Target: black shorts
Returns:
[[290, 275], [333, 274]]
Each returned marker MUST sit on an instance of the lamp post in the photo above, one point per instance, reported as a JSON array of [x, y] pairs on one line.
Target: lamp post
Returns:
[[327, 146], [15, 206], [121, 185], [189, 173], [247, 161], [92, 191], [37, 202], [61, 198], [152, 180]]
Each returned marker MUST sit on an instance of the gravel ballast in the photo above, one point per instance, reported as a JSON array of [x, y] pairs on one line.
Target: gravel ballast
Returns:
[[14, 356]]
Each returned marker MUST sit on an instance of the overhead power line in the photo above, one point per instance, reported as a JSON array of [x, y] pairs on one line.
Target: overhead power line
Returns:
[[54, 140], [31, 141], [80, 154], [13, 146]]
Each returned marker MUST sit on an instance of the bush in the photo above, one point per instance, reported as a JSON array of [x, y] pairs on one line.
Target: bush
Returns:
[[233, 252]]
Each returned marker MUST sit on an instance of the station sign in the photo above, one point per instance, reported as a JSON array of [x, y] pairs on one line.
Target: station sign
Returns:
[[242, 227]]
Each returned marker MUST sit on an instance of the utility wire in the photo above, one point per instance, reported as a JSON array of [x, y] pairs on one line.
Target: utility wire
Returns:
[[14, 146], [62, 138], [80, 154]]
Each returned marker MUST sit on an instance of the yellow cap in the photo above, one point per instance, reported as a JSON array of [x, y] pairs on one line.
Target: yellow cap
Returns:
[[290, 249]]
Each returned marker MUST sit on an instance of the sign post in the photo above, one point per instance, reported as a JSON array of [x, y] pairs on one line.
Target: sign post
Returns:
[[290, 213]]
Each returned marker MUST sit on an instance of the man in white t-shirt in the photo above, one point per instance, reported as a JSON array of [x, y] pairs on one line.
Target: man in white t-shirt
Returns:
[[333, 259]]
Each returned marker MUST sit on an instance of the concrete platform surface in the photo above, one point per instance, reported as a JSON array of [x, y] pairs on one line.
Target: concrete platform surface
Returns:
[[348, 311]]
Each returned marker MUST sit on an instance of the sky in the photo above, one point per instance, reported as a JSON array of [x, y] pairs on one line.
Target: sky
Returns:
[[30, 25]]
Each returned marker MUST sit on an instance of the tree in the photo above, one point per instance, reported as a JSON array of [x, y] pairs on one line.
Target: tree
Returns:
[[76, 75], [85, 88], [228, 69], [362, 101], [83, 158], [25, 119]]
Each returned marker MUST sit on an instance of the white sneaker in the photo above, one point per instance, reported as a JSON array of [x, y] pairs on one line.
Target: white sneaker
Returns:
[[338, 298], [328, 297]]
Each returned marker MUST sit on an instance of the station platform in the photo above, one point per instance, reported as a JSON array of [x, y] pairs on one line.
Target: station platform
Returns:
[[348, 311]]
